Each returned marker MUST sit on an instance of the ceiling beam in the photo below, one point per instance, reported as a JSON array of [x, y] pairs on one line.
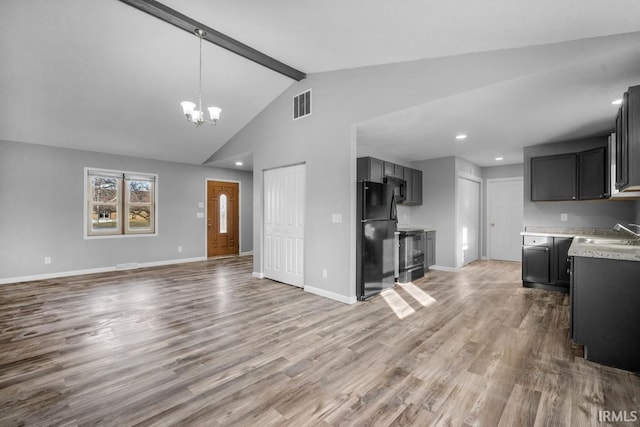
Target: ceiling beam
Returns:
[[176, 18]]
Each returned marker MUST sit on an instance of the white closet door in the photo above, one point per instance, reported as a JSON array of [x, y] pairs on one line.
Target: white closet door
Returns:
[[284, 191]]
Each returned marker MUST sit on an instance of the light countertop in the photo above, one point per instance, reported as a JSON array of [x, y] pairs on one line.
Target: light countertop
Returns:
[[593, 243], [411, 227]]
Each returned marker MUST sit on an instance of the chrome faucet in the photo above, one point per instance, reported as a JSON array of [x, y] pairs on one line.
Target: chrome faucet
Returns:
[[620, 227]]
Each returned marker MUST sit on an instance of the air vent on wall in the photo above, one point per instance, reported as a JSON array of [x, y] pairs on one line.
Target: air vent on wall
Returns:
[[302, 105]]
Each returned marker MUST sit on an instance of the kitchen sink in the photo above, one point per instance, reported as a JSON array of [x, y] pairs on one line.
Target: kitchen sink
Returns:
[[605, 241]]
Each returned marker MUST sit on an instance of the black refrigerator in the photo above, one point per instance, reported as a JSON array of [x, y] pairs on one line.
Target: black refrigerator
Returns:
[[375, 242]]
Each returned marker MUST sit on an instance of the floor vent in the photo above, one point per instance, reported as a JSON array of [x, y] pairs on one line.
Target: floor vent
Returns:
[[302, 105]]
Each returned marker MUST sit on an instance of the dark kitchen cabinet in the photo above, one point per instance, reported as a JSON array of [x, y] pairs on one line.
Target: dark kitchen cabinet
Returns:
[[604, 315], [417, 186], [370, 169], [593, 181], [545, 262], [622, 145], [554, 177], [391, 169], [571, 176], [628, 141], [536, 264], [430, 256], [413, 177], [562, 267]]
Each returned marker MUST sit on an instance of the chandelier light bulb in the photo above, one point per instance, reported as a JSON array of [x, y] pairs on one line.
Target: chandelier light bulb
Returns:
[[214, 113], [188, 107]]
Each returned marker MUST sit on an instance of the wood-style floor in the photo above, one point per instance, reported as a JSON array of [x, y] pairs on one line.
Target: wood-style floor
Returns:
[[206, 344]]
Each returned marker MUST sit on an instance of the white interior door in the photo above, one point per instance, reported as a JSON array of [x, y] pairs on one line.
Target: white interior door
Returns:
[[505, 218], [468, 221], [284, 191]]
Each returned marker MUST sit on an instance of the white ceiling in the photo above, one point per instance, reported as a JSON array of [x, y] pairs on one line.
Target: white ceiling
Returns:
[[102, 76]]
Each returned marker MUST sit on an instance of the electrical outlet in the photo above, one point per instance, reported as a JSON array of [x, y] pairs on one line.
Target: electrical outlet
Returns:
[[324, 273], [179, 248], [47, 260], [564, 217]]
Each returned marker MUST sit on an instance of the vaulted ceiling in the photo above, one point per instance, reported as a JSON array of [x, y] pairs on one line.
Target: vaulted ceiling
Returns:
[[103, 76]]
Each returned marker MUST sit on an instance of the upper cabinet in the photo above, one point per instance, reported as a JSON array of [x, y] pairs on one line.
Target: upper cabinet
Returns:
[[570, 176], [628, 142], [414, 186], [372, 169], [391, 169], [593, 179], [554, 177]]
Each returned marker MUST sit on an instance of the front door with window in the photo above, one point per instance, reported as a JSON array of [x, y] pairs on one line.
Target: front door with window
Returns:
[[222, 218]]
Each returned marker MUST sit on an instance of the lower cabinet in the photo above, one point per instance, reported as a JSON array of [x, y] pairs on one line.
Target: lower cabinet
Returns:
[[545, 262], [605, 297], [536, 264], [430, 256], [562, 264]]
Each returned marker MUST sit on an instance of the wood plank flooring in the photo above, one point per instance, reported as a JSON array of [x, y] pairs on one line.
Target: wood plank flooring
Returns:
[[205, 344]]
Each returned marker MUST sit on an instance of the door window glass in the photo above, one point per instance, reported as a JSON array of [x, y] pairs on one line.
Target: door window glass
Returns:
[[223, 213]]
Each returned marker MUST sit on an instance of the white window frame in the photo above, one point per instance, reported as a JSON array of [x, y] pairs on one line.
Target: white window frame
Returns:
[[122, 204]]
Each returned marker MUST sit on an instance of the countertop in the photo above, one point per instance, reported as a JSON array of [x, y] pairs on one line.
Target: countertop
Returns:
[[595, 243], [410, 227]]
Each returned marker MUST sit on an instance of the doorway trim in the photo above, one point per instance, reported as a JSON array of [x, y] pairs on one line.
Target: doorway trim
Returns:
[[488, 207], [206, 213], [458, 236]]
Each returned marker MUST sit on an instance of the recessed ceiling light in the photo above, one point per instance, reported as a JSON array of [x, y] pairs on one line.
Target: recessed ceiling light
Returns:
[[617, 101], [461, 136], [499, 158], [238, 163]]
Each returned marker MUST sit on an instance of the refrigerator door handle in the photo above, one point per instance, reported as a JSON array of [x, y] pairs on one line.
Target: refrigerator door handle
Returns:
[[394, 213]]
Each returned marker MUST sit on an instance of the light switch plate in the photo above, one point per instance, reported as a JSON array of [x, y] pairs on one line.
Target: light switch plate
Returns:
[[564, 217], [336, 218], [201, 205], [199, 214]]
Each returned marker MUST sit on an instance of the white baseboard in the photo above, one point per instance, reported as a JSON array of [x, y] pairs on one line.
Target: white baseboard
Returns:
[[331, 295], [47, 276], [258, 275], [442, 268], [246, 253], [119, 267], [172, 261]]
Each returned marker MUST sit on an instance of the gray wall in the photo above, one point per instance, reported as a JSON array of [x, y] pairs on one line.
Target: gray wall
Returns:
[[438, 209], [42, 197], [581, 214], [438, 205], [506, 171]]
